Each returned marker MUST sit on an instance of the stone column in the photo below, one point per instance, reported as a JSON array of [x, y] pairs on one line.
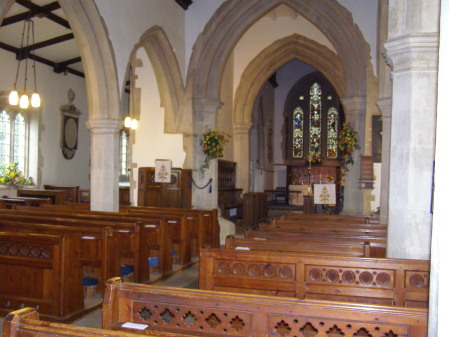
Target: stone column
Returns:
[[242, 155], [440, 263], [104, 164], [385, 107], [412, 52], [354, 108], [205, 118]]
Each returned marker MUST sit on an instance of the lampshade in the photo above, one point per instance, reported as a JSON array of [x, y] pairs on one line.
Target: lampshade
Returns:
[[134, 124], [35, 100], [24, 101], [14, 97], [127, 122], [24, 53]]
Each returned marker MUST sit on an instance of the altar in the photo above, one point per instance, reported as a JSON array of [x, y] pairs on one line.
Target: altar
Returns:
[[297, 192]]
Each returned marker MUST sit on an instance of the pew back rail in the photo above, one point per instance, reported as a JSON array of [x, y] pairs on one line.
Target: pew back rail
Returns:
[[209, 313]]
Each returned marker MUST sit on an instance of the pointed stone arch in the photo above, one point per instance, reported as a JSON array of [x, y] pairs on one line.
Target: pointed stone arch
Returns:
[[168, 77], [260, 69], [102, 95], [234, 17], [276, 55]]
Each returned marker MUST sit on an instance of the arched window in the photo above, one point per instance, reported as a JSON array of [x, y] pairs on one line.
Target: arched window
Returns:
[[313, 120], [14, 127]]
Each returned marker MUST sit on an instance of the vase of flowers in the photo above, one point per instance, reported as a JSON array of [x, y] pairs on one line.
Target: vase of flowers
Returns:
[[212, 142], [11, 175], [347, 143]]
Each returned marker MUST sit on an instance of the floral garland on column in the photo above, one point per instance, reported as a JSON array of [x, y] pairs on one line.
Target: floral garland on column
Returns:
[[347, 143], [212, 142]]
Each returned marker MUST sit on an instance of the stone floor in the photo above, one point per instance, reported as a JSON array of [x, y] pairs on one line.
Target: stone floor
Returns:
[[185, 278]]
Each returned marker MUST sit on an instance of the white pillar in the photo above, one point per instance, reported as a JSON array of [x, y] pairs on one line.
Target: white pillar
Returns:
[[104, 164], [385, 107], [206, 118], [440, 250], [354, 108], [414, 79], [242, 155]]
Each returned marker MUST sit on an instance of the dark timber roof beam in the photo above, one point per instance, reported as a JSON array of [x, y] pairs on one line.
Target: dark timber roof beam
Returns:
[[184, 3]]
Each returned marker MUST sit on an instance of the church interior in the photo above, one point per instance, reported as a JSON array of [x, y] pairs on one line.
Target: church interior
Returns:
[[224, 149]]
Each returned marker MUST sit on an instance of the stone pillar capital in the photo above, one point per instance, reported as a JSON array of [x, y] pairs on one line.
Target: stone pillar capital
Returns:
[[412, 52], [385, 106], [103, 126], [354, 104], [241, 128], [205, 105]]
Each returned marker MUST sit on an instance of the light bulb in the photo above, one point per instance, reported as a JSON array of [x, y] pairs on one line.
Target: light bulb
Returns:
[[127, 122], [35, 100], [24, 102], [14, 97], [134, 124]]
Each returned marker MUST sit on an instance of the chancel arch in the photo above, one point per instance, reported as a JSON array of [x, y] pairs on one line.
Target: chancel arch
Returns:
[[221, 34], [261, 68]]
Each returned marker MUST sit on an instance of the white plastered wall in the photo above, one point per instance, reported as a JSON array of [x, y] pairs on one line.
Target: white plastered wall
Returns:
[[47, 164], [126, 21], [150, 141]]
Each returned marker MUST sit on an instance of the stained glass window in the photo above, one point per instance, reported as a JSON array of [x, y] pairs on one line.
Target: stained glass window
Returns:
[[5, 138], [332, 132], [124, 155], [19, 141], [297, 149], [315, 124]]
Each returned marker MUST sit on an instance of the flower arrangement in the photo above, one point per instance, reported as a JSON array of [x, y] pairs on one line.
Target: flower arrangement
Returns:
[[11, 175], [347, 143], [329, 177], [212, 142]]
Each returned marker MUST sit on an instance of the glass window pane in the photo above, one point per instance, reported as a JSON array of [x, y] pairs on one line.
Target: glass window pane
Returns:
[[315, 125], [19, 141], [5, 138], [332, 132], [297, 142]]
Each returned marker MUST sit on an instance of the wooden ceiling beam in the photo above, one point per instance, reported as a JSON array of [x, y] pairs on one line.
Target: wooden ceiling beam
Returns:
[[42, 60], [51, 42], [47, 13], [31, 13], [184, 3]]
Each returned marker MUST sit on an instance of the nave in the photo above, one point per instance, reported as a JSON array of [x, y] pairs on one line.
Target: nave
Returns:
[[329, 272]]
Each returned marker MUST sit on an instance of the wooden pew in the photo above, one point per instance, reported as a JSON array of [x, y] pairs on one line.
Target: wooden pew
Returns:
[[377, 243], [26, 323], [211, 313], [394, 282], [332, 218], [357, 249], [11, 202], [41, 271], [178, 227], [97, 246], [209, 229], [135, 242], [325, 229]]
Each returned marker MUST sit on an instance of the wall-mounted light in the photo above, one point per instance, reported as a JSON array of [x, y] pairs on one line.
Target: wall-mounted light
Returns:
[[130, 122]]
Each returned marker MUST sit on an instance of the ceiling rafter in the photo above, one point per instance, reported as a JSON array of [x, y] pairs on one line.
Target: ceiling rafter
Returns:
[[31, 13], [38, 10], [184, 3], [42, 12]]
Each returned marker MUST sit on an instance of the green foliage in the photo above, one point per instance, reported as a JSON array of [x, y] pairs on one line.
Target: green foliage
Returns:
[[347, 143], [212, 142]]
